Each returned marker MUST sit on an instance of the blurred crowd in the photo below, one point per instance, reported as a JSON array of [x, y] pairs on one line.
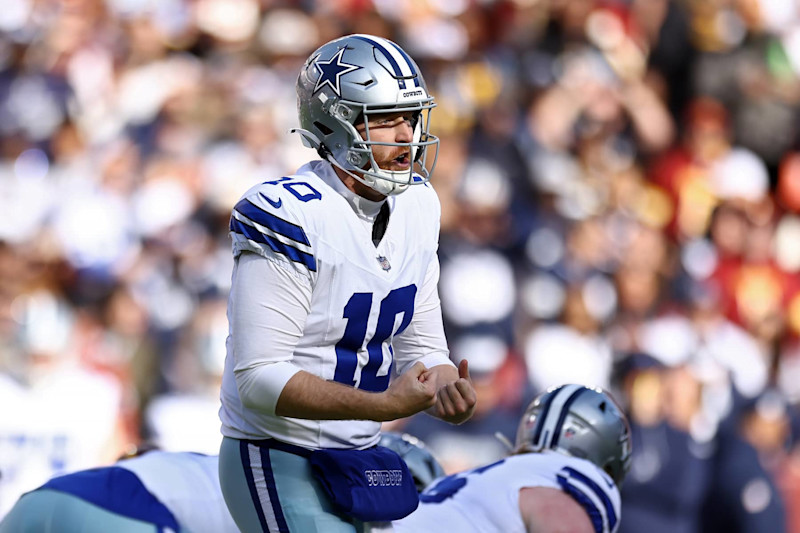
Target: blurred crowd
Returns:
[[620, 187]]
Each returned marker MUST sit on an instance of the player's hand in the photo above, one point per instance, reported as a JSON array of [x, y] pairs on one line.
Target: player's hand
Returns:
[[456, 400], [410, 393]]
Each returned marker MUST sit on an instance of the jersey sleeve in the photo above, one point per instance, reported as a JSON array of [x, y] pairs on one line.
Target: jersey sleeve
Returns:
[[595, 492], [272, 227], [269, 305]]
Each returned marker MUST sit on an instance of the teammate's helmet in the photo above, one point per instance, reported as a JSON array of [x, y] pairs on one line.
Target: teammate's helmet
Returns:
[[341, 85], [578, 421], [421, 463]]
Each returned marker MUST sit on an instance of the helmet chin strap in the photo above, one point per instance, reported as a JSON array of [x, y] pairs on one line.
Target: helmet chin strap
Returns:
[[309, 139], [387, 187], [382, 186]]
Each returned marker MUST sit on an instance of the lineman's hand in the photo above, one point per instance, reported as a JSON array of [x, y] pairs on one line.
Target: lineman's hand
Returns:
[[409, 393], [455, 400]]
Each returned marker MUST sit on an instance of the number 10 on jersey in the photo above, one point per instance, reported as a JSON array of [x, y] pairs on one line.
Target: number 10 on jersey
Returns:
[[357, 313]]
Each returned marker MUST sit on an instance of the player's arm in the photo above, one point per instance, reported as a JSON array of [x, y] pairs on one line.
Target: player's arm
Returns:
[[308, 396], [549, 510], [424, 341], [271, 305]]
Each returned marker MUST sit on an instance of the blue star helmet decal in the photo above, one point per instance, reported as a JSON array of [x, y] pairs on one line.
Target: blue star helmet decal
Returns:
[[331, 71]]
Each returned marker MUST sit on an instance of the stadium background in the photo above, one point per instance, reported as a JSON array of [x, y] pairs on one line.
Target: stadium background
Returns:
[[620, 185]]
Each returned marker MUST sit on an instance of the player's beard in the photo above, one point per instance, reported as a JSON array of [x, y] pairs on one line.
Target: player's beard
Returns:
[[390, 162]]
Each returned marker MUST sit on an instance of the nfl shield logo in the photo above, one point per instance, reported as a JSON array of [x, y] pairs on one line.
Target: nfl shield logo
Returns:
[[384, 263]]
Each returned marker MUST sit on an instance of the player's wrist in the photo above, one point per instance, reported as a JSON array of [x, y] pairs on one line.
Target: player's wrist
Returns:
[[385, 406]]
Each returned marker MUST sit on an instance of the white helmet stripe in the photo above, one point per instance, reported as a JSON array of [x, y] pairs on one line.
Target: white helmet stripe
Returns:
[[553, 416], [408, 61], [400, 62]]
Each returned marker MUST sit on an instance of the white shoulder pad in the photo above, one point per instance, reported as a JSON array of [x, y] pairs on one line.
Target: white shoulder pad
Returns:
[[594, 490], [269, 221], [425, 190], [427, 202]]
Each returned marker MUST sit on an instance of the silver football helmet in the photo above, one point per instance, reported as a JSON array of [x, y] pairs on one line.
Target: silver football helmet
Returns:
[[578, 421], [346, 81], [421, 463]]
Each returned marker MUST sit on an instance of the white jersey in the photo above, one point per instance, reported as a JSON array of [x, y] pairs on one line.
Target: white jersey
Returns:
[[371, 311], [188, 485], [183, 422], [60, 424], [486, 499]]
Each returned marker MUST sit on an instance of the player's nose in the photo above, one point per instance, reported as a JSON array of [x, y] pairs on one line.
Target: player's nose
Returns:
[[404, 132]]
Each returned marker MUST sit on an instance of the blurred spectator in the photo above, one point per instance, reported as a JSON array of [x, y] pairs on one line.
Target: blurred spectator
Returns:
[[572, 350], [477, 288], [60, 415], [615, 177], [670, 469], [744, 496], [707, 167], [184, 418], [788, 188]]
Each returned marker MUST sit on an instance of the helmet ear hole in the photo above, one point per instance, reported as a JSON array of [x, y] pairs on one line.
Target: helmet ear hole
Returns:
[[323, 128], [355, 159]]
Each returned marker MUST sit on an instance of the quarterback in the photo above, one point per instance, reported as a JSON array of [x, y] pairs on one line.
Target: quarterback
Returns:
[[334, 316], [572, 451]]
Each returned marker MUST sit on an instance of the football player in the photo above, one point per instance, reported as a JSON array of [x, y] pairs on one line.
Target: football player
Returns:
[[572, 452], [155, 491], [334, 292], [421, 463]]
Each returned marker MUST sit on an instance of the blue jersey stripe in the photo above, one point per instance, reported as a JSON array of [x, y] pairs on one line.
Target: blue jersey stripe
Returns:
[[389, 58], [237, 226], [584, 501], [268, 220], [117, 490], [599, 492]]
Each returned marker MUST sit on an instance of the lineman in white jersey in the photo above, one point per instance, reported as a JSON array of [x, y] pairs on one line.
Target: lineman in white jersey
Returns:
[[156, 491], [572, 452], [334, 292]]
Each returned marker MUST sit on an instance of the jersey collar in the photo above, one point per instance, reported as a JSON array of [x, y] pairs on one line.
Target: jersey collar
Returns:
[[364, 209]]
